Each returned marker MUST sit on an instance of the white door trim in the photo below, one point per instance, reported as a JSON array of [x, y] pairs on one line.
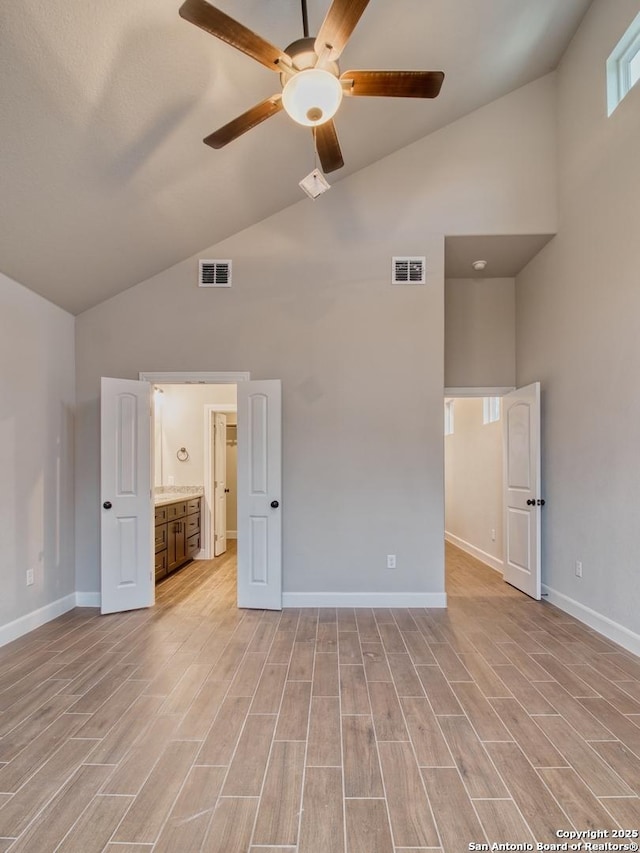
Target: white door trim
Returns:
[[496, 391], [206, 553], [193, 377]]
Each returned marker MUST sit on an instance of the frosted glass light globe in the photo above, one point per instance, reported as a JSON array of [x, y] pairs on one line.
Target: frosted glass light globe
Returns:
[[312, 97]]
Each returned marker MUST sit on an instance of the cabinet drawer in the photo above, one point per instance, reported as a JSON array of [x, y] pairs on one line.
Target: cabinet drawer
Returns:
[[193, 506], [193, 524], [161, 564], [161, 514], [177, 510], [161, 537], [193, 545]]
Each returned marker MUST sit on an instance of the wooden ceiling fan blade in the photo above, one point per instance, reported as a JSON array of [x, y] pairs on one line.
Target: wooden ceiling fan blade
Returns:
[[208, 18], [328, 147], [394, 84], [256, 115], [336, 29]]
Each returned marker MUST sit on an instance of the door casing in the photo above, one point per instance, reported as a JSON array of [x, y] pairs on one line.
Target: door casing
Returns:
[[209, 526]]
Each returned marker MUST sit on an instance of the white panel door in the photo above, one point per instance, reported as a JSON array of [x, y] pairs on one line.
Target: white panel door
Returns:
[[259, 494], [127, 547], [220, 484], [521, 484]]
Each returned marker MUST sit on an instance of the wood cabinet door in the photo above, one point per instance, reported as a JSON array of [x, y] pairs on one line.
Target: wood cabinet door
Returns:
[[177, 544]]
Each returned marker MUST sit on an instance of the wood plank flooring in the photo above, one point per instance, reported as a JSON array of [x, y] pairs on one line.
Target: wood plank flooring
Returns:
[[194, 726]]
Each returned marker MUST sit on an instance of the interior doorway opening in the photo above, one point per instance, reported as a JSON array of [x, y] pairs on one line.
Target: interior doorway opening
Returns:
[[473, 453], [195, 459], [514, 499], [473, 472], [127, 490]]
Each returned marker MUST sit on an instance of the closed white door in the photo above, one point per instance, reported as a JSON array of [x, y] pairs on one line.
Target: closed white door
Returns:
[[522, 489], [259, 494], [220, 484], [126, 567]]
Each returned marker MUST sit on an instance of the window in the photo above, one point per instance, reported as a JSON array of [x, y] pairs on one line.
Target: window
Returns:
[[448, 417], [490, 410], [634, 68], [623, 66]]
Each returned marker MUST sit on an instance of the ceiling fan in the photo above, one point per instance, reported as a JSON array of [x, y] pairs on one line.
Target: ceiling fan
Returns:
[[312, 85]]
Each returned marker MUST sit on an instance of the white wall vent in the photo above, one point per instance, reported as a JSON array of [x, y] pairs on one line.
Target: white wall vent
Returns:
[[408, 271], [214, 274]]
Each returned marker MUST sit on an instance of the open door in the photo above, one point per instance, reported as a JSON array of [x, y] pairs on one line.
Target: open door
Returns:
[[522, 500], [220, 484], [259, 495], [126, 569]]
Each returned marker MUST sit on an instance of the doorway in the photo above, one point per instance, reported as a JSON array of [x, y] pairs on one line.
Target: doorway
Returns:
[[128, 483], [220, 477], [481, 492], [193, 457], [473, 456]]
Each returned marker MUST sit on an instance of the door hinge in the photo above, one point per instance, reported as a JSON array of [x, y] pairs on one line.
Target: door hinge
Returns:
[[215, 537]]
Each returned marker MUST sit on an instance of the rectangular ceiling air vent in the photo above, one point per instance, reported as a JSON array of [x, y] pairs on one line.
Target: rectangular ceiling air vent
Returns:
[[214, 274], [408, 271]]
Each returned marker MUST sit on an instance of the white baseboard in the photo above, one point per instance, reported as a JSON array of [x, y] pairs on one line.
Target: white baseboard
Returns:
[[629, 640], [364, 599], [31, 621], [478, 553], [88, 599], [232, 534]]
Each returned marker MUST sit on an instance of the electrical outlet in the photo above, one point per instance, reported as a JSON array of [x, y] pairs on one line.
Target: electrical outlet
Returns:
[[493, 534], [391, 561], [30, 577], [578, 569]]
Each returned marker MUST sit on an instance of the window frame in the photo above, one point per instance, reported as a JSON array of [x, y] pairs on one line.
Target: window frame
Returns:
[[491, 410], [619, 76], [449, 417]]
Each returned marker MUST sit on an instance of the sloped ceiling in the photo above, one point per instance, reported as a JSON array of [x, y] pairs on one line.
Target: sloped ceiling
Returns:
[[104, 180]]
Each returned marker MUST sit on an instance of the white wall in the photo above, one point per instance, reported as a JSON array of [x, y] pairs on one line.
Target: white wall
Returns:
[[311, 304], [578, 310], [473, 482], [180, 410], [480, 332], [36, 458]]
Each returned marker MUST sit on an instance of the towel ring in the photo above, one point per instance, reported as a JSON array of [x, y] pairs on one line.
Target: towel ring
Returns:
[[182, 454]]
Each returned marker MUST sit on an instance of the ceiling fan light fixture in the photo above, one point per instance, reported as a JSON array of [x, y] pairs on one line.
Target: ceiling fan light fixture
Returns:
[[312, 97]]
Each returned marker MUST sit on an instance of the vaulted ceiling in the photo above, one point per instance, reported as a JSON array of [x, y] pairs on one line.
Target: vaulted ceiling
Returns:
[[104, 180]]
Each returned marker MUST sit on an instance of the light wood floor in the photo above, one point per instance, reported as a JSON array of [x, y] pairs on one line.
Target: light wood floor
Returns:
[[197, 727]]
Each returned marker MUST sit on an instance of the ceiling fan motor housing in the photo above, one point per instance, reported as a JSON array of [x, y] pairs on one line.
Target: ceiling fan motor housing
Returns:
[[303, 55]]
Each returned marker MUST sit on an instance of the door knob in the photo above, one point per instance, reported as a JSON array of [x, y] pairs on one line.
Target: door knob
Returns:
[[540, 501], [531, 503], [107, 504], [274, 504], [226, 491]]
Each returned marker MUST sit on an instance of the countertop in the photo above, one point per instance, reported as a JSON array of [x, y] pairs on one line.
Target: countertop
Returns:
[[171, 497]]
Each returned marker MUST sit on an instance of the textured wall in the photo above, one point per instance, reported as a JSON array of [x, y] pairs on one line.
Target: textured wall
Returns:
[[312, 305], [36, 451], [578, 304]]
